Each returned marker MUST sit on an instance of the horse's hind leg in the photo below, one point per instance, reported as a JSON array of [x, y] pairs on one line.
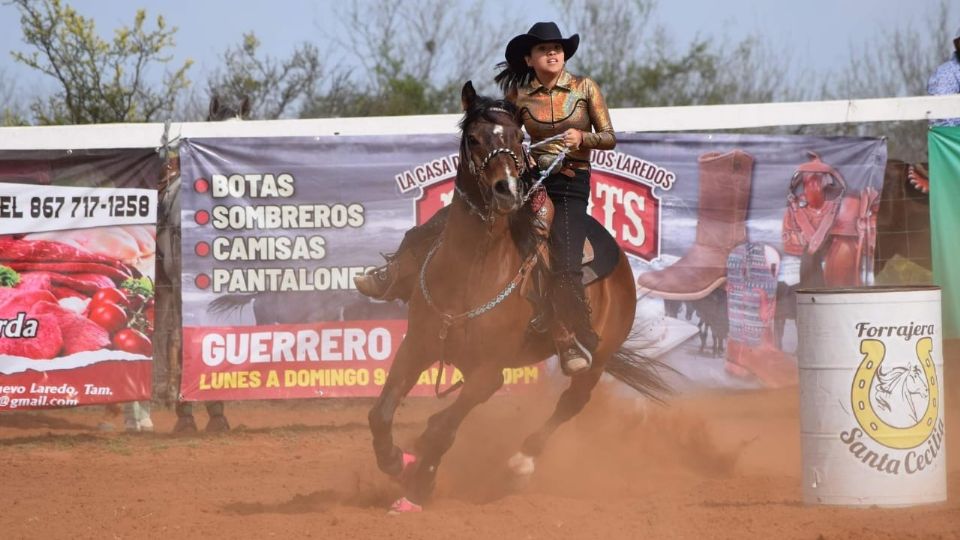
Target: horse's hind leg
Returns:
[[216, 421], [403, 375], [570, 404], [442, 427]]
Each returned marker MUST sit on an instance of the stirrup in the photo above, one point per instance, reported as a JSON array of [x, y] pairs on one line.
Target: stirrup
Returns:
[[381, 273], [574, 358]]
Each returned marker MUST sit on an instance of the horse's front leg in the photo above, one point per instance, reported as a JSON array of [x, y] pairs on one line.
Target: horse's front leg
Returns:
[[441, 430], [404, 373]]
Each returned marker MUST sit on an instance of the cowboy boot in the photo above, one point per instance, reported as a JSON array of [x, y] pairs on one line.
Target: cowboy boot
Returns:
[[391, 281], [772, 367], [721, 225], [573, 334], [376, 282], [574, 356]]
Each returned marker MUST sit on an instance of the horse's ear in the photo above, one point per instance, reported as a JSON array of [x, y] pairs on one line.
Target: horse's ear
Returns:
[[214, 107], [245, 107], [467, 95]]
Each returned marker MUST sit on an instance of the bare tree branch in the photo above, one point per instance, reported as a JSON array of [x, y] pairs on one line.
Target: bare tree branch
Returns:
[[895, 62], [276, 88], [99, 81]]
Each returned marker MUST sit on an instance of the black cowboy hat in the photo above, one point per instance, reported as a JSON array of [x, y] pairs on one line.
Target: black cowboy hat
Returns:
[[542, 32]]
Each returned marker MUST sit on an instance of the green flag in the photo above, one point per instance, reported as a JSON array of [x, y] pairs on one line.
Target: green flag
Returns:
[[944, 145]]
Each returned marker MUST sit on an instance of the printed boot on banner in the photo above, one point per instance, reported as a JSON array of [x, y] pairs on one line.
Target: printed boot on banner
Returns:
[[722, 211], [752, 276]]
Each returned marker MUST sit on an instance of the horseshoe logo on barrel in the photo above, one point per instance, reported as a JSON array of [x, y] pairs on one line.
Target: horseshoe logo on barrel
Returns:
[[907, 397]]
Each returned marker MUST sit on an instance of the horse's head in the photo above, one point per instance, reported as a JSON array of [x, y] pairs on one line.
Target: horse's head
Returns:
[[221, 111], [491, 149], [916, 384]]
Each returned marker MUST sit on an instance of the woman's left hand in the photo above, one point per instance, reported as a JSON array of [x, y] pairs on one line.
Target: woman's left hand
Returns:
[[573, 138]]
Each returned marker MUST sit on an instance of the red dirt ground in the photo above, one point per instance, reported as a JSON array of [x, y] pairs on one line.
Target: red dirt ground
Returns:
[[714, 466]]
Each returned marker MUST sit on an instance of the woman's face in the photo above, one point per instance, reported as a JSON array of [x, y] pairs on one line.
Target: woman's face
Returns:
[[546, 59]]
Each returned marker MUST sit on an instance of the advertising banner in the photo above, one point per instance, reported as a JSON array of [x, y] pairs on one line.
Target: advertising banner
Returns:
[[77, 260], [719, 229]]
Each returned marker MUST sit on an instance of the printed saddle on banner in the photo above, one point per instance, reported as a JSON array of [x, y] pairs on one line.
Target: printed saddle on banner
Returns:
[[825, 220], [813, 203]]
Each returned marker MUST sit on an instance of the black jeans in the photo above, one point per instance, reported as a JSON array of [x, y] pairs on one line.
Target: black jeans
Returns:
[[569, 229], [567, 234]]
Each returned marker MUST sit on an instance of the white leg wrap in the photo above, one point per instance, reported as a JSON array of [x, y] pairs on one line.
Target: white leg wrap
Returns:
[[521, 464]]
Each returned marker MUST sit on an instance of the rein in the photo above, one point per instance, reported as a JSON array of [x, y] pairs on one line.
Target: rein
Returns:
[[549, 170], [449, 320]]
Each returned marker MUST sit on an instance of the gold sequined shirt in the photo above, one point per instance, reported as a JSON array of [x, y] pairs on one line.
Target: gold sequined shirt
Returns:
[[574, 102]]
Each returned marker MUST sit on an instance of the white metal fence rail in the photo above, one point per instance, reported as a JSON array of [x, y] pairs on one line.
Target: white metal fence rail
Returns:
[[651, 119]]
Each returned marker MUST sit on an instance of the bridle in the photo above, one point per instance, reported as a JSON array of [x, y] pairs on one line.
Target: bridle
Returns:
[[477, 171], [521, 165], [474, 170]]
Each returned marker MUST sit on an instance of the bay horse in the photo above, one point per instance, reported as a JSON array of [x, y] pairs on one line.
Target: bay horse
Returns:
[[465, 312]]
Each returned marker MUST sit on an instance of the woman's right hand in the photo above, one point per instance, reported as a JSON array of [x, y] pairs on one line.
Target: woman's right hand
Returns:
[[573, 138]]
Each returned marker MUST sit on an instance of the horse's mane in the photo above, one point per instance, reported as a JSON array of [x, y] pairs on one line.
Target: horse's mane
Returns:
[[892, 378], [486, 107], [895, 380], [523, 223]]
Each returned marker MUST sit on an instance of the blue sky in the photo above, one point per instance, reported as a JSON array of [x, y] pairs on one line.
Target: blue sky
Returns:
[[818, 33]]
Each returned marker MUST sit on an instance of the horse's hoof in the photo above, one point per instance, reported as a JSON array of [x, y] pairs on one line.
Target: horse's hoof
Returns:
[[185, 424], [521, 468], [521, 464], [217, 424], [404, 505]]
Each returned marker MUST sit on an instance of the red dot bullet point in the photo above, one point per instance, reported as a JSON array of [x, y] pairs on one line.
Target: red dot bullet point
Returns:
[[201, 185], [202, 249], [202, 217], [203, 281]]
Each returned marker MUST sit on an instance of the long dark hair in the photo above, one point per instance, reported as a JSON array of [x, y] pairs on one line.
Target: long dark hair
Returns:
[[512, 77]]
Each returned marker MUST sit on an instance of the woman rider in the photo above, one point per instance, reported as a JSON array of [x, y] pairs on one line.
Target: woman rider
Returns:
[[552, 102]]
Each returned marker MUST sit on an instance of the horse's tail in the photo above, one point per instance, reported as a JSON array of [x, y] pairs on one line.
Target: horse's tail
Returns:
[[640, 372], [228, 303]]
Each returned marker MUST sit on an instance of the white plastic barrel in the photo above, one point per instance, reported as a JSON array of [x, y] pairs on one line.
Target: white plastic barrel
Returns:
[[871, 396]]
